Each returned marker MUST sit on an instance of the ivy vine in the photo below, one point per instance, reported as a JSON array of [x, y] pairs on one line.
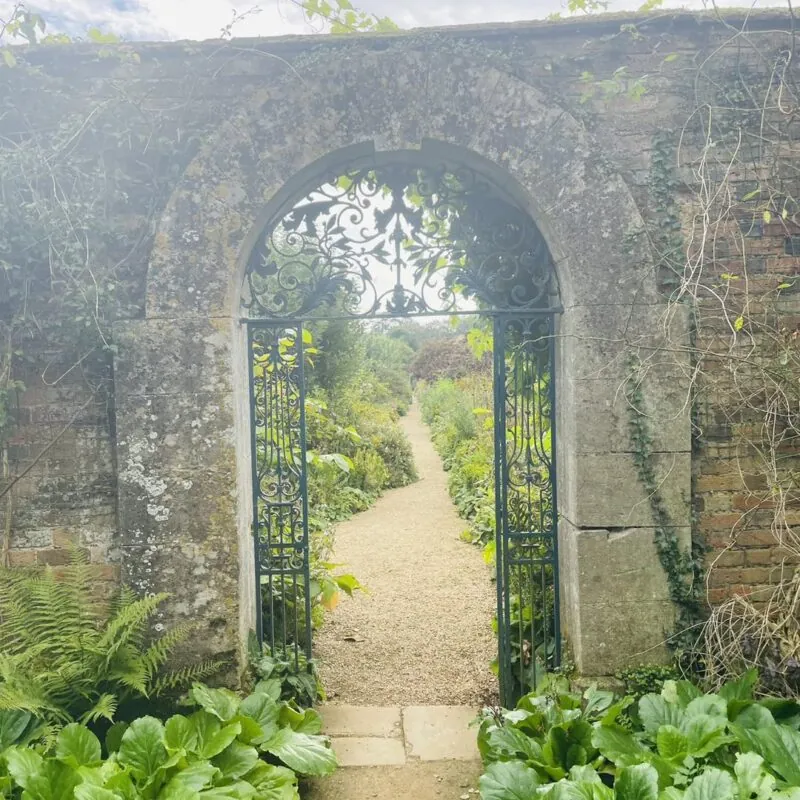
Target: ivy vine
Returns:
[[684, 570]]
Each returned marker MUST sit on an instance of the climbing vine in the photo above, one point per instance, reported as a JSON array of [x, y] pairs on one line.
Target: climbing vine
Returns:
[[684, 569]]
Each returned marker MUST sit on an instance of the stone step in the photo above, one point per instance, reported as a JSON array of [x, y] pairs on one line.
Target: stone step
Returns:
[[389, 753], [415, 780]]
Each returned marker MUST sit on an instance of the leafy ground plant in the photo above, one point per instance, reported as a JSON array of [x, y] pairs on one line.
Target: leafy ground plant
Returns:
[[65, 656], [245, 749], [682, 745]]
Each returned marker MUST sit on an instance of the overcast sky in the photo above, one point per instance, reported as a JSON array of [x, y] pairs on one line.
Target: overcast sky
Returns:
[[204, 19]]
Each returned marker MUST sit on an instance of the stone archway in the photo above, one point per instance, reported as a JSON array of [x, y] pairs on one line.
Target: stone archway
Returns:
[[180, 505]]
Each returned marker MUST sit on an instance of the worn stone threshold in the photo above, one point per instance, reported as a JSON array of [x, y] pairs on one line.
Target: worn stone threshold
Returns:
[[370, 736]]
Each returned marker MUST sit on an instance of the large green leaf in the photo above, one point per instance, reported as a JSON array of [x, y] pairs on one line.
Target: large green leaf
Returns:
[[236, 759], [142, 748], [273, 783], [510, 742], [78, 746], [672, 744], [680, 692], [13, 725], [23, 765], [212, 737], [264, 711], [708, 704], [508, 780], [655, 711], [222, 703], [619, 746], [180, 733], [754, 782], [114, 736], [305, 720], [713, 784], [754, 716], [306, 755], [637, 783], [88, 792], [705, 733], [42, 779], [196, 776], [779, 746], [569, 790], [741, 689], [270, 687]]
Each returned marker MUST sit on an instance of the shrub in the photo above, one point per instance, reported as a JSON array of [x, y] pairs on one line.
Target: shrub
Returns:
[[369, 472], [217, 751], [447, 358], [65, 657], [394, 448], [682, 744]]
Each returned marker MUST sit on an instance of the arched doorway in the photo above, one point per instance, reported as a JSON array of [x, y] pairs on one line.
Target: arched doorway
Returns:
[[396, 235]]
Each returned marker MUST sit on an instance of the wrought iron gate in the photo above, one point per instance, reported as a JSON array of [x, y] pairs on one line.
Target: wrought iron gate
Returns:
[[450, 243]]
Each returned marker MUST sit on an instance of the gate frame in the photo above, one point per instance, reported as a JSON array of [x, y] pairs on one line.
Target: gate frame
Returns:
[[433, 157]]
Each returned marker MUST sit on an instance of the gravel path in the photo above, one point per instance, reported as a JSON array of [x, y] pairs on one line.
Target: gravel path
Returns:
[[423, 633]]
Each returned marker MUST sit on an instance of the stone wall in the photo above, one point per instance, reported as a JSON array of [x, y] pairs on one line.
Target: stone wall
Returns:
[[144, 461]]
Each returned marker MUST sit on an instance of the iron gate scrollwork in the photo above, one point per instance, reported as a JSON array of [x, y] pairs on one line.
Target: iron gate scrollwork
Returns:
[[529, 636], [404, 236]]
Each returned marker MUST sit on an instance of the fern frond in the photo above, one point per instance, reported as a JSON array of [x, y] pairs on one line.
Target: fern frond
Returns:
[[184, 676], [161, 649], [129, 622], [104, 708]]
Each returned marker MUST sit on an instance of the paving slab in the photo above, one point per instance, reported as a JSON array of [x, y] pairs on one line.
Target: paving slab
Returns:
[[358, 751], [364, 721], [417, 780], [440, 733]]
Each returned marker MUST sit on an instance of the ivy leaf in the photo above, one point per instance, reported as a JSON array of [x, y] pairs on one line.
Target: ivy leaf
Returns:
[[767, 217], [739, 323], [8, 58]]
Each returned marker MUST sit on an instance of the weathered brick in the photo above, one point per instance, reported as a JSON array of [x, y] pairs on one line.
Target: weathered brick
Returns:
[[55, 558], [750, 538], [729, 558], [22, 558], [63, 537]]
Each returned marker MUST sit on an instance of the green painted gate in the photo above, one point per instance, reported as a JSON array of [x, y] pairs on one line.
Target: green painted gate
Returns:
[[409, 234]]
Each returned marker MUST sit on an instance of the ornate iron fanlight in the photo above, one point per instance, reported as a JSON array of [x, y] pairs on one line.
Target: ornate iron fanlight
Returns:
[[399, 240]]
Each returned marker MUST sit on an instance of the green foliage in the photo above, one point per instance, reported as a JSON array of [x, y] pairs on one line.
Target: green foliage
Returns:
[[65, 656], [342, 17], [299, 680], [355, 451], [684, 570], [681, 744], [646, 679], [251, 748], [461, 427], [460, 416]]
